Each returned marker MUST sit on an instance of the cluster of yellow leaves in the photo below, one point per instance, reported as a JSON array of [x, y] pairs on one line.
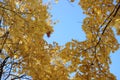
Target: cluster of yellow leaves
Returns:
[[27, 21], [91, 58]]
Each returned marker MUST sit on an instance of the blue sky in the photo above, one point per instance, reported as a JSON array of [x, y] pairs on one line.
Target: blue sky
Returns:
[[70, 21], [70, 17]]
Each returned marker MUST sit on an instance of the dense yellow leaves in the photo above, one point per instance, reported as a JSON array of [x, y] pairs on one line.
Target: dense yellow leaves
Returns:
[[27, 27], [28, 21]]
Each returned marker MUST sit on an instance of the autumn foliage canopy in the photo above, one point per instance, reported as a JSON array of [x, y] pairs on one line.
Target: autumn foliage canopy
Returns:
[[25, 55]]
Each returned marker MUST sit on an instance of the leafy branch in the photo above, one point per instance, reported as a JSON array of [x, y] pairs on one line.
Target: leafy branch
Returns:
[[113, 14]]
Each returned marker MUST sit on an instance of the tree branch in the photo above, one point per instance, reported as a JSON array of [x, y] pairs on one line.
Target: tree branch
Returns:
[[2, 66]]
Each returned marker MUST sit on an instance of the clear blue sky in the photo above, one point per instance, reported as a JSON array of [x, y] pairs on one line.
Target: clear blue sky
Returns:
[[69, 27]]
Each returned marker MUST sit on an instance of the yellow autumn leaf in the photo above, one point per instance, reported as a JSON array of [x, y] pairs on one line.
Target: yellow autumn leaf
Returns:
[[15, 56], [89, 36], [56, 1], [98, 11]]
